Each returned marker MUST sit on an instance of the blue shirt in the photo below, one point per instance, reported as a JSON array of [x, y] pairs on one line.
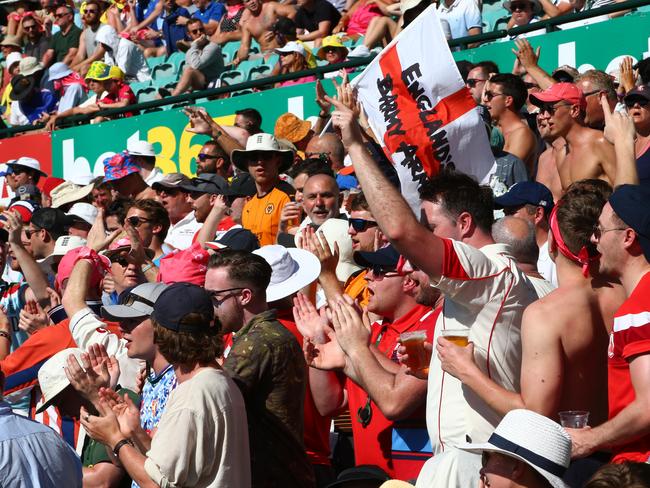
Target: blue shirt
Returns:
[[213, 11], [42, 101], [32, 454]]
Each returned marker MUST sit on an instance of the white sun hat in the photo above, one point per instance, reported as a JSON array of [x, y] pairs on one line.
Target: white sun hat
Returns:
[[261, 142], [51, 377], [140, 148], [291, 47], [61, 247], [293, 269], [534, 439], [68, 192], [27, 162], [83, 211]]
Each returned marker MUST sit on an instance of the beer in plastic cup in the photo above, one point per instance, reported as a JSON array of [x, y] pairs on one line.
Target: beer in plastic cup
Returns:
[[418, 356], [460, 337], [574, 419]]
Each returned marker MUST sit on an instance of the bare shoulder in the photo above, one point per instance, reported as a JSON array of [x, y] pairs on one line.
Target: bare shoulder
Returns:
[[554, 310]]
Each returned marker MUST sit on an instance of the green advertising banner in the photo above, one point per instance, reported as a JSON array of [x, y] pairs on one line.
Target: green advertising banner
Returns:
[[81, 150]]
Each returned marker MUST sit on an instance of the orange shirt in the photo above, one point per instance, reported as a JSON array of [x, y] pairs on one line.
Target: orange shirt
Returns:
[[261, 215], [357, 287]]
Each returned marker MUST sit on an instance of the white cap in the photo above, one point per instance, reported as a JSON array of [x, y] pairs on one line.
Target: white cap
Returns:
[[140, 148], [13, 58], [61, 247], [51, 376], [28, 163], [84, 211], [291, 47], [293, 269]]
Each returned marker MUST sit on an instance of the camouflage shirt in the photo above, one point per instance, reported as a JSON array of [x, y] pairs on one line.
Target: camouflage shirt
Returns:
[[267, 364]]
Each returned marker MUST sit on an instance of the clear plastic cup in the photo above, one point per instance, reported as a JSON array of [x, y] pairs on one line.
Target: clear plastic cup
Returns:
[[460, 337], [574, 419], [418, 357]]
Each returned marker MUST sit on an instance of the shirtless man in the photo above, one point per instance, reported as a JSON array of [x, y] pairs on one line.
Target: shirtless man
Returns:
[[504, 96], [257, 22], [564, 334], [547, 173], [580, 152]]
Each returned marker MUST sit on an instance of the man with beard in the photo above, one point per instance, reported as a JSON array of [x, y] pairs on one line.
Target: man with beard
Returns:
[[383, 400], [213, 159], [181, 216]]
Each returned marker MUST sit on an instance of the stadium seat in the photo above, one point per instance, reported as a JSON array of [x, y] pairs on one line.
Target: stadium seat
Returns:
[[136, 86], [147, 94], [241, 92], [232, 77], [255, 47], [164, 70], [491, 14], [177, 60], [231, 48], [272, 61], [153, 62], [501, 24], [258, 72]]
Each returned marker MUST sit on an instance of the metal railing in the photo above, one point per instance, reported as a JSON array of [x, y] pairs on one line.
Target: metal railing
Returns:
[[463, 42]]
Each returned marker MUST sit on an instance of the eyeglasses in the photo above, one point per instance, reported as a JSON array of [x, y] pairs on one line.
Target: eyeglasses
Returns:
[[551, 107], [88, 12], [488, 95], [598, 231], [379, 273], [519, 6], [197, 31], [202, 156], [641, 102], [359, 225], [472, 82], [171, 192], [216, 301], [30, 232], [529, 85], [135, 221]]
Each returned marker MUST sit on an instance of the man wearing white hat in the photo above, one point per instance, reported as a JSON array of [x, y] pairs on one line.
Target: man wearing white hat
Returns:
[[23, 171], [144, 156], [264, 160], [82, 217]]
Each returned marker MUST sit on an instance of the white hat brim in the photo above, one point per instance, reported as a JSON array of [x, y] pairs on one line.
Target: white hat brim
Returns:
[[307, 272]]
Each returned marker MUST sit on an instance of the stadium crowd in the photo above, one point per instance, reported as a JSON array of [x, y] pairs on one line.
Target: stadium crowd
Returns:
[[284, 318]]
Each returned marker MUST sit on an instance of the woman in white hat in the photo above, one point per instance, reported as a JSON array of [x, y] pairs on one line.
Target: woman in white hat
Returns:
[[293, 59]]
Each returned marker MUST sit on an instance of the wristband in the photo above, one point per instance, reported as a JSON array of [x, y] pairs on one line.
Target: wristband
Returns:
[[101, 263], [5, 335], [120, 445], [147, 267]]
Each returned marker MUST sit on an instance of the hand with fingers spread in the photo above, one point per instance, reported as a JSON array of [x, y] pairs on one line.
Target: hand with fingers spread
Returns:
[[55, 298], [345, 121], [97, 238], [311, 324], [327, 356], [84, 379], [528, 57], [319, 247], [103, 364], [127, 412], [200, 120], [627, 75], [105, 427], [32, 318], [350, 330], [321, 101], [14, 226], [137, 252]]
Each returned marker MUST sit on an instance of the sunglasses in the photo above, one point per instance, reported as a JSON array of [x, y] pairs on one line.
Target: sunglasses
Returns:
[[379, 272], [551, 107], [359, 225], [171, 192], [488, 95], [197, 31], [58, 16], [472, 82], [121, 260], [255, 156], [135, 221], [519, 6], [530, 85], [203, 156], [512, 210], [641, 102]]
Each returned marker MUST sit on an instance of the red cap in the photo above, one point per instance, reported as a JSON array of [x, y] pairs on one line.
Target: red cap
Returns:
[[567, 92], [23, 208], [188, 265], [50, 184]]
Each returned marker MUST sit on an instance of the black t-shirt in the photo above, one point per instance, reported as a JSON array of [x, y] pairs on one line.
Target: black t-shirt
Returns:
[[323, 10]]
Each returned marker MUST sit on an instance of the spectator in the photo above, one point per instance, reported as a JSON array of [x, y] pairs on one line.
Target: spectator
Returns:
[[523, 12], [257, 23], [625, 475], [90, 50], [151, 221], [593, 84], [37, 42], [82, 216], [504, 97], [315, 20], [118, 94], [183, 224], [525, 450], [45, 227], [293, 129], [115, 213], [477, 77], [68, 85], [213, 159], [637, 101], [293, 60], [332, 51], [172, 31], [203, 60], [242, 189], [463, 17], [356, 20], [144, 156], [203, 193], [267, 364], [31, 101], [10, 44], [321, 199], [249, 119], [23, 171], [264, 160], [124, 53], [124, 175], [206, 404], [583, 152], [209, 13], [33, 454], [533, 202], [625, 254], [519, 234], [229, 29], [65, 43]]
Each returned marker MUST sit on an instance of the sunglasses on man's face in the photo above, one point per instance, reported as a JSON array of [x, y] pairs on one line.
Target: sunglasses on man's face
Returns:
[[58, 16], [359, 225], [135, 221], [197, 31], [202, 156], [519, 6], [472, 82], [30, 27], [641, 102], [89, 11]]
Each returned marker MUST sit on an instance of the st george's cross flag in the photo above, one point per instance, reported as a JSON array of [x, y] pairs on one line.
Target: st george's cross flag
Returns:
[[420, 110]]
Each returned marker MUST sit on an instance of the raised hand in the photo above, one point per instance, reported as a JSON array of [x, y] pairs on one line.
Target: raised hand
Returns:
[[311, 324], [619, 126], [84, 379], [351, 332], [628, 77], [32, 318], [528, 57], [345, 122], [97, 238], [319, 247], [107, 367], [200, 121], [321, 98]]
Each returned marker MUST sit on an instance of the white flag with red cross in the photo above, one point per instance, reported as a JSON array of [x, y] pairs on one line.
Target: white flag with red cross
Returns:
[[420, 110]]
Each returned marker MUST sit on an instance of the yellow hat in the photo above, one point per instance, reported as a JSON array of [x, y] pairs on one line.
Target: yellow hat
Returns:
[[116, 73], [98, 71], [331, 41]]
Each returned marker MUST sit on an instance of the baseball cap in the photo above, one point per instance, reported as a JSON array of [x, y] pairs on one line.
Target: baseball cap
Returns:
[[135, 303], [83, 212], [51, 182], [630, 202], [565, 73], [239, 239], [291, 47], [53, 220], [179, 300], [210, 183], [385, 258], [140, 148], [641, 91], [52, 379], [171, 180], [242, 185], [526, 192], [558, 92], [27, 162], [24, 208], [119, 166]]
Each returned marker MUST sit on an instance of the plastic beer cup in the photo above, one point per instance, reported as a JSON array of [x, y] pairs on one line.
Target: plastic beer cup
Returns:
[[418, 357], [574, 419], [460, 337]]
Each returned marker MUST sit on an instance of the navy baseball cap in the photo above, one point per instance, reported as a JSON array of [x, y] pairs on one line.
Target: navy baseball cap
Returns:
[[385, 258], [526, 192], [210, 183], [630, 202], [238, 238], [179, 300]]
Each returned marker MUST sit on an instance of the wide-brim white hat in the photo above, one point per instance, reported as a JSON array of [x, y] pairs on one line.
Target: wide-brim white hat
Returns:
[[140, 148], [293, 269], [533, 439], [261, 142], [28, 162], [68, 192], [51, 376]]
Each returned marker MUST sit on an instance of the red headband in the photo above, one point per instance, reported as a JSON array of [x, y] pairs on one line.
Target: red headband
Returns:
[[583, 256]]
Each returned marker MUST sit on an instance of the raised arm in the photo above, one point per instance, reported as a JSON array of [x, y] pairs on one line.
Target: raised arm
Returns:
[[620, 131], [529, 60]]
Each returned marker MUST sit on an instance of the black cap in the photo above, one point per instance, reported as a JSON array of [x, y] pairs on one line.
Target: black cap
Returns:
[[177, 302], [239, 239], [641, 91], [210, 183], [21, 87], [364, 472], [630, 202], [385, 258], [53, 220], [242, 185]]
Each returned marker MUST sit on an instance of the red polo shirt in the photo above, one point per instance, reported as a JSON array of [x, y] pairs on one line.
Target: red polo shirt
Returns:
[[398, 447]]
